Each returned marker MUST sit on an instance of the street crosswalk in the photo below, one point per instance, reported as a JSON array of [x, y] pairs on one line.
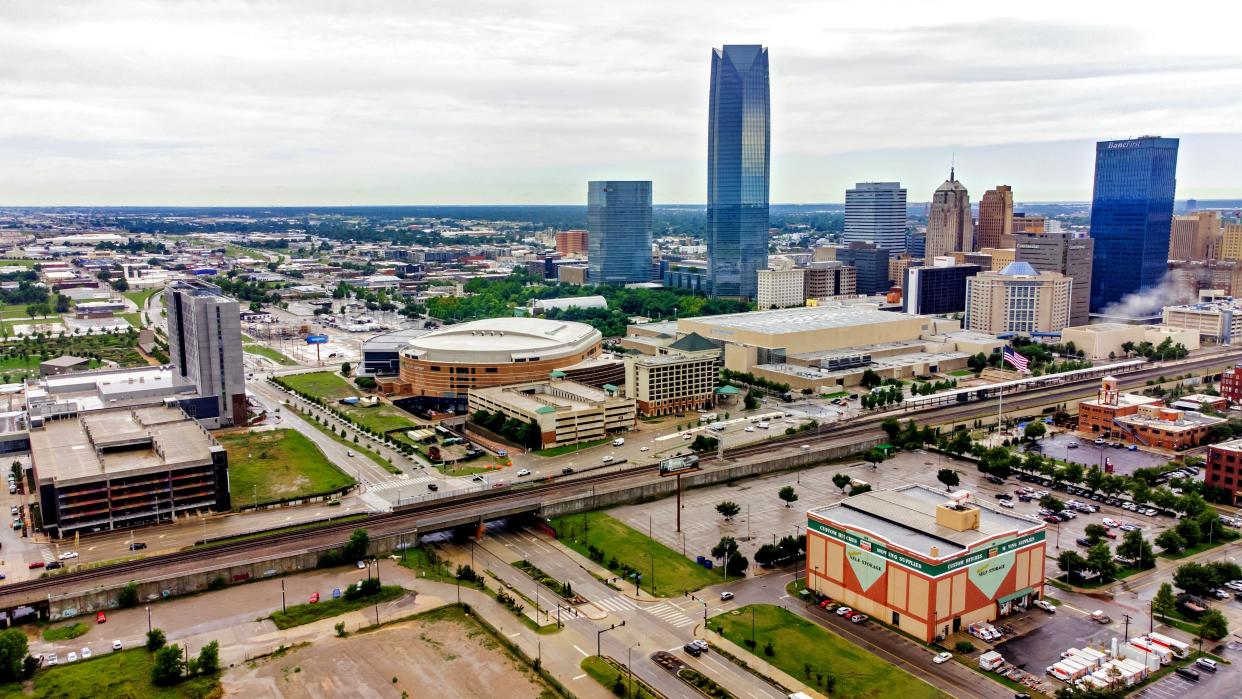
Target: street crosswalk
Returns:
[[671, 615], [403, 483], [617, 603]]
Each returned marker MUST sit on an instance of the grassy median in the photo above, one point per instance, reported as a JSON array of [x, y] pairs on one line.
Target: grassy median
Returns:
[[299, 614], [278, 465], [812, 654], [119, 675]]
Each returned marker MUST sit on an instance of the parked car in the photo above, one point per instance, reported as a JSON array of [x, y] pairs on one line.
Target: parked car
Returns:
[[52, 659], [74, 656], [35, 564], [1110, 523], [1207, 664], [137, 546], [1083, 541], [1046, 606], [432, 487], [1184, 672], [567, 471], [859, 618], [1128, 527], [101, 618], [86, 653], [608, 459], [53, 565], [1007, 503], [842, 611], [68, 555], [116, 645]]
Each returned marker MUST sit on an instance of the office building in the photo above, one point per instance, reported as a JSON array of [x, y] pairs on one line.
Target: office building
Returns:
[[997, 258], [928, 562], [950, 225], [1063, 254], [1196, 236], [1224, 469], [682, 377], [825, 280], [916, 244], [936, 290], [619, 238], [738, 167], [897, 266], [1217, 322], [1131, 216], [1018, 299], [872, 265], [566, 412], [1030, 224], [204, 343], [1231, 242], [571, 243], [995, 229], [123, 467], [781, 288], [1105, 340], [1143, 420], [1231, 384], [875, 212], [1182, 238]]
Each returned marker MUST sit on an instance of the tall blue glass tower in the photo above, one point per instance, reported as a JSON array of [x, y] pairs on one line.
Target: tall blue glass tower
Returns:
[[619, 231], [1131, 216], [739, 138]]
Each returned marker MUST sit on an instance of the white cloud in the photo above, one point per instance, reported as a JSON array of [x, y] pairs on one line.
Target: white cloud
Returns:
[[395, 102]]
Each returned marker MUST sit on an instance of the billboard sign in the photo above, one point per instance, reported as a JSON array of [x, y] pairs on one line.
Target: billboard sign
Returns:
[[679, 464], [316, 339]]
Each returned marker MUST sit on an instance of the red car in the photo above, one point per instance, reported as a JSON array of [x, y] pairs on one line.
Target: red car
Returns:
[[100, 618], [36, 564], [314, 599]]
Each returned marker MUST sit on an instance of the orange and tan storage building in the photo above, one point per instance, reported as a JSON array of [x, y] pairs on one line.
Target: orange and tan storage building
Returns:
[[926, 561], [492, 352]]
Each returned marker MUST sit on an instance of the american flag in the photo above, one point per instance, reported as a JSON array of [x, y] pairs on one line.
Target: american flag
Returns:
[[1016, 360]]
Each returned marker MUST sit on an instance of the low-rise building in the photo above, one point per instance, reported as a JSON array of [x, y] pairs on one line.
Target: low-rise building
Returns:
[[781, 288], [681, 377], [825, 280], [566, 412], [1144, 420], [1217, 322], [1224, 468], [63, 365], [125, 467], [1106, 340], [926, 562], [1231, 384]]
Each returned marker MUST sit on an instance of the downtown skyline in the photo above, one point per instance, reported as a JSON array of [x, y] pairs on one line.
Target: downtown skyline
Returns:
[[236, 104]]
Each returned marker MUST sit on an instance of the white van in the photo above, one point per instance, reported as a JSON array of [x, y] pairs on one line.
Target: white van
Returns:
[[618, 441]]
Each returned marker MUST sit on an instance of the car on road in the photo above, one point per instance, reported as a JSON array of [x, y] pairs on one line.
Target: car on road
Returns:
[[67, 555], [524, 472], [52, 659], [700, 644], [686, 436], [74, 656], [749, 429], [1132, 447], [432, 486], [644, 448], [726, 596], [1007, 503], [1100, 617], [137, 546], [361, 565], [1100, 441], [692, 649], [86, 653], [942, 657], [501, 452], [1046, 606], [116, 645], [35, 564], [349, 453], [567, 471], [479, 479], [1110, 523], [608, 459], [53, 565], [1207, 664], [101, 618]]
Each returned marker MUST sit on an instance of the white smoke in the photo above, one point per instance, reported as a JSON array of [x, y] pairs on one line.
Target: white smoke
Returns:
[[1172, 290]]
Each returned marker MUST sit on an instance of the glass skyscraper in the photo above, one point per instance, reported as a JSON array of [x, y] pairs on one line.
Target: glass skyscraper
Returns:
[[738, 163], [619, 231], [1131, 216]]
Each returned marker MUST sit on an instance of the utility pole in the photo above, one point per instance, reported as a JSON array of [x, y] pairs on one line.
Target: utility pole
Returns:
[[282, 595], [599, 634], [1127, 618]]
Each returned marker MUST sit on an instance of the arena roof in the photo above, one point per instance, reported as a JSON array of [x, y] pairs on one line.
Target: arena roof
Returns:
[[498, 340]]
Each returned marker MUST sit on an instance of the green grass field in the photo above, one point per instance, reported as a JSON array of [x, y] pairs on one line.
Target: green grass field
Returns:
[[607, 675], [799, 643], [140, 297], [323, 384], [134, 319], [66, 632], [281, 464], [274, 355], [333, 387], [961, 372], [567, 448], [18, 263], [674, 573], [17, 368], [122, 675], [336, 437], [298, 614]]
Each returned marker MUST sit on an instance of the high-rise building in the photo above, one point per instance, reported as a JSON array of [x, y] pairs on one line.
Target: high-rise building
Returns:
[[950, 226], [781, 288], [916, 243], [619, 235], [1063, 254], [898, 264], [1033, 224], [1182, 237], [1131, 216], [875, 212], [1018, 299], [1231, 242], [995, 229], [204, 343], [937, 289], [570, 243], [872, 265], [828, 279], [738, 166]]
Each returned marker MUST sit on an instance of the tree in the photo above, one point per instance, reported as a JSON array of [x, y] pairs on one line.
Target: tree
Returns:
[[960, 443], [1136, 548], [356, 547], [870, 379], [949, 477], [728, 509], [1034, 430], [1071, 563], [841, 480], [767, 554], [1165, 601], [1050, 502], [1095, 533], [120, 285], [1213, 626], [749, 402], [346, 369], [62, 303], [736, 565], [860, 489], [168, 668], [13, 650], [891, 427], [1170, 541], [1100, 559], [208, 662], [726, 545], [1194, 578], [788, 495], [1072, 473], [128, 596], [155, 640], [874, 456]]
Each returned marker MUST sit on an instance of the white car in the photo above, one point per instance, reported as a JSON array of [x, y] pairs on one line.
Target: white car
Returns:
[[86, 653], [608, 459], [942, 657], [1111, 523], [750, 429], [71, 657], [1127, 527], [116, 645], [52, 659], [643, 448], [1046, 606], [1006, 503], [726, 596], [524, 472], [68, 554]]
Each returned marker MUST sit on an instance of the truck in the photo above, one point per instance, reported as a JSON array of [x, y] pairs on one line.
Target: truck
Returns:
[[618, 441], [1179, 649], [991, 660], [716, 427]]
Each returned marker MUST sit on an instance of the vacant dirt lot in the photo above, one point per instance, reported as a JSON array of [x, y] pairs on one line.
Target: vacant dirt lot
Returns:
[[441, 654]]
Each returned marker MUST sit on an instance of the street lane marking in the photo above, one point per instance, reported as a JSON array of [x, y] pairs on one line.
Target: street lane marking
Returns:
[[584, 653], [580, 676], [515, 635]]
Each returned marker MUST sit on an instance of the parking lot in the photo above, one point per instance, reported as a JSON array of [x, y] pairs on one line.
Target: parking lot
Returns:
[[1089, 454], [1221, 685]]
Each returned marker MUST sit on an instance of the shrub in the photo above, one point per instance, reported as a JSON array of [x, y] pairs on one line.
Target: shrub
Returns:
[[128, 596], [155, 640], [964, 647]]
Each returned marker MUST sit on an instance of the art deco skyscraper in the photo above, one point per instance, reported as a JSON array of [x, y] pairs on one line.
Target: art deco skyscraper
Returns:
[[950, 227], [738, 165], [995, 229]]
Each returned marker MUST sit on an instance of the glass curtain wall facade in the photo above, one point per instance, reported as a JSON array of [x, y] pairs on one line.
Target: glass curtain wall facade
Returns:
[[875, 212], [1131, 216], [619, 231], [738, 167]]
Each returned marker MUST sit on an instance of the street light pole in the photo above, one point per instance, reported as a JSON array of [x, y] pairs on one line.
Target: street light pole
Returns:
[[148, 620], [629, 669]]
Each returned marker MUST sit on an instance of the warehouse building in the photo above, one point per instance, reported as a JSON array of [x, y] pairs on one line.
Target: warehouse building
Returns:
[[125, 467], [926, 562]]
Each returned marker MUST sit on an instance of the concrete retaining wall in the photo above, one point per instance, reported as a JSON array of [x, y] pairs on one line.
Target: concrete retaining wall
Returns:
[[666, 487]]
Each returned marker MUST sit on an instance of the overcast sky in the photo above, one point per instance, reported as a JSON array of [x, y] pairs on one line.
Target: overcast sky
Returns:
[[417, 102]]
